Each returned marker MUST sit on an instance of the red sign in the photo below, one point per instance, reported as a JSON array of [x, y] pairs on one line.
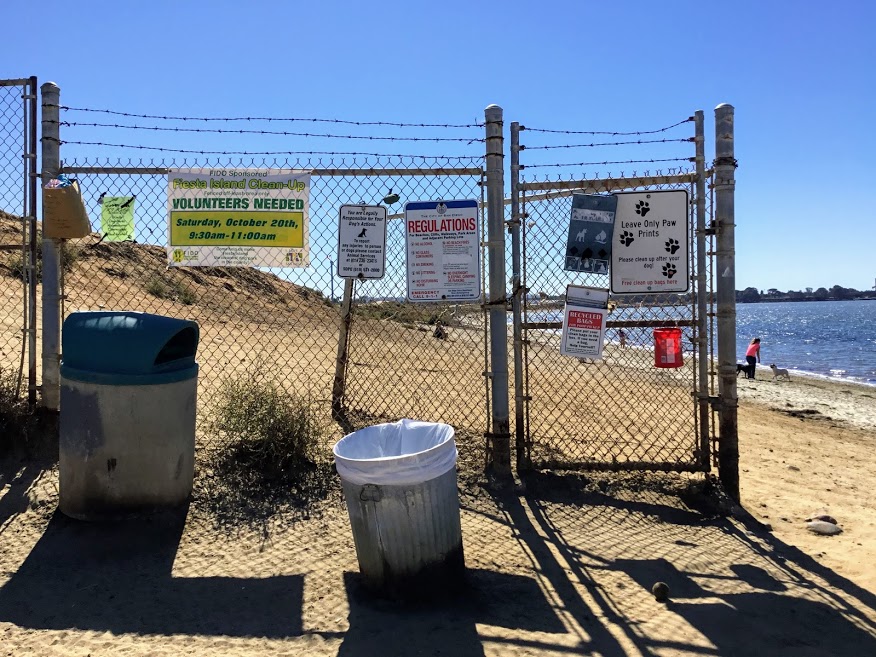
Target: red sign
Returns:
[[585, 320]]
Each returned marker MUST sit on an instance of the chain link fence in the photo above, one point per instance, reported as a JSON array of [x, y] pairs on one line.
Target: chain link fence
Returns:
[[17, 232], [620, 412], [363, 354], [286, 322]]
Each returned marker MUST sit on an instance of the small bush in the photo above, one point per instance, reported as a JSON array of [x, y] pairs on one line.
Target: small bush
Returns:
[[267, 450], [13, 411], [405, 313], [70, 255], [170, 289]]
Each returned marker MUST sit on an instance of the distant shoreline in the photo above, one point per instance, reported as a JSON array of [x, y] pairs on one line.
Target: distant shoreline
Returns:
[[789, 300]]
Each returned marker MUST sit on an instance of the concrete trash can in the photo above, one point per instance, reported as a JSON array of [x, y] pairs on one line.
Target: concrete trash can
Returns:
[[127, 427], [399, 481]]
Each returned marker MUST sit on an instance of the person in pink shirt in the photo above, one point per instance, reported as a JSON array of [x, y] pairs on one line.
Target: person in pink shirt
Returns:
[[752, 357]]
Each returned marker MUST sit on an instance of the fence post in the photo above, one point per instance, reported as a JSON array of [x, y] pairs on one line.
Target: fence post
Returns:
[[343, 344], [51, 279], [725, 184], [702, 291], [32, 189], [517, 291], [500, 434]]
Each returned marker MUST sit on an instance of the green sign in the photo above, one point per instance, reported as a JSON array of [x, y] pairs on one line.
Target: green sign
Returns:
[[117, 218]]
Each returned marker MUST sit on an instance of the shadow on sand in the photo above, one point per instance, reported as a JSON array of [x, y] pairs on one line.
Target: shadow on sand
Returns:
[[771, 598], [117, 577], [381, 628]]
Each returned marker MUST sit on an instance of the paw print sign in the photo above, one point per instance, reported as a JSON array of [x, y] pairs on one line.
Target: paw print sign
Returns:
[[651, 252]]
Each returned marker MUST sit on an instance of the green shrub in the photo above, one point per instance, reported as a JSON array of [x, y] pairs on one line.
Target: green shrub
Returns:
[[267, 450], [172, 290], [70, 255], [13, 411]]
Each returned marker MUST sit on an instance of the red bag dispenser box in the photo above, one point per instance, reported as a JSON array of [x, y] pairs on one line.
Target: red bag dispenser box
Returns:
[[667, 347]]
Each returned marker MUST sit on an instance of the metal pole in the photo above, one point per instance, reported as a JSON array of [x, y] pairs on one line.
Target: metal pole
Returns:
[[702, 291], [32, 247], [501, 430], [332, 277], [51, 165], [522, 456], [725, 184], [338, 387]]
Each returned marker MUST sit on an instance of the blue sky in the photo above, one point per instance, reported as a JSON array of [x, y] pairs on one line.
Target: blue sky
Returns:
[[801, 75]]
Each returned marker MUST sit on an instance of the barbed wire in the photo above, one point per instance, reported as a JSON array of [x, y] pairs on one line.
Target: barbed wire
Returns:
[[263, 132], [610, 134], [586, 164], [265, 118], [596, 176], [205, 152], [609, 143]]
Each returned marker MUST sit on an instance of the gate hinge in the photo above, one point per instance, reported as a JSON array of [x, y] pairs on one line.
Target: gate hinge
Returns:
[[716, 403]]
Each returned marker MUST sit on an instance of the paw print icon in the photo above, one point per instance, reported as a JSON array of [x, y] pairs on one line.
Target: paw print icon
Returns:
[[672, 246], [626, 238], [643, 208], [669, 270]]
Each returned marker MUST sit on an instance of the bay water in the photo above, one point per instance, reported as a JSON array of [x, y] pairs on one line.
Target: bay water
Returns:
[[832, 339]]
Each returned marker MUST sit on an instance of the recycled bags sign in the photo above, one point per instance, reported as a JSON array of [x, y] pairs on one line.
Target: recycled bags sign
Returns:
[[443, 251], [588, 247], [651, 239], [117, 218], [238, 217], [584, 322], [362, 241]]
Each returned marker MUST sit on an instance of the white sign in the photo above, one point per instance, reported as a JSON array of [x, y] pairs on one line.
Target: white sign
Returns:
[[443, 250], [650, 248], [584, 322], [238, 217], [362, 241]]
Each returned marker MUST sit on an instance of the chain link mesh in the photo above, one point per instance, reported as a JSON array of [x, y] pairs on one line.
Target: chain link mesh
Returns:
[[423, 360], [13, 228], [620, 412], [288, 320]]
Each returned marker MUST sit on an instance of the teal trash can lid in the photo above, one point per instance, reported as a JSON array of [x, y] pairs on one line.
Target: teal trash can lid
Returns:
[[127, 342]]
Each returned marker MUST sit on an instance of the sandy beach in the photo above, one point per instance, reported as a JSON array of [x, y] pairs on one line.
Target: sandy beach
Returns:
[[562, 565], [557, 564]]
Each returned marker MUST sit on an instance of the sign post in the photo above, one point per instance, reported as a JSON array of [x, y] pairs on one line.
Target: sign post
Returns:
[[443, 251]]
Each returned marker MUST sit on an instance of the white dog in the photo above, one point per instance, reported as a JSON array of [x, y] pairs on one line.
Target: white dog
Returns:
[[581, 235], [779, 373]]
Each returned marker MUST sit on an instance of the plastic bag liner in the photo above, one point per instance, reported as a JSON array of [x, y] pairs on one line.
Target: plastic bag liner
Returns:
[[396, 454]]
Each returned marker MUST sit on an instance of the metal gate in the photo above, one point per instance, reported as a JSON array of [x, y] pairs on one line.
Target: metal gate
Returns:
[[620, 412], [18, 235]]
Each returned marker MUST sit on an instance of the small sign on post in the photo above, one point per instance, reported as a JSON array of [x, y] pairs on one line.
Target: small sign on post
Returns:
[[362, 241], [584, 322]]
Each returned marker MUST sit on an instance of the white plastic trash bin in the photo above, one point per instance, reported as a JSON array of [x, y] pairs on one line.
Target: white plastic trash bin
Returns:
[[399, 482]]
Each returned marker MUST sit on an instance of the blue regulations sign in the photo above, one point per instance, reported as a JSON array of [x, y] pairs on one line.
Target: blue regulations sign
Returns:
[[443, 250], [588, 248]]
